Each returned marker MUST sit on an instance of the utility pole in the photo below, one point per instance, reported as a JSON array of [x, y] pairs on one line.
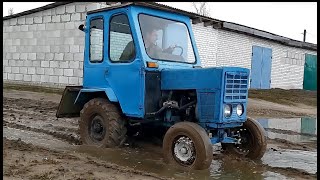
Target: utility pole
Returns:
[[304, 35]]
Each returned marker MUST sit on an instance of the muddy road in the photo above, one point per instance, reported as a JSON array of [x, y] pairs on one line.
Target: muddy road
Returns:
[[37, 145]]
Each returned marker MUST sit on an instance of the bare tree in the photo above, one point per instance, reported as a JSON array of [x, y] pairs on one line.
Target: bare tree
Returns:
[[10, 11], [201, 8]]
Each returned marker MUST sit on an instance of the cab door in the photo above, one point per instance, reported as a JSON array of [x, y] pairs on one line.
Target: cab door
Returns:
[[123, 75]]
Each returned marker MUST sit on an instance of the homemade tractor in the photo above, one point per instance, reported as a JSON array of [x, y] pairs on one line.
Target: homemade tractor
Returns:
[[142, 68]]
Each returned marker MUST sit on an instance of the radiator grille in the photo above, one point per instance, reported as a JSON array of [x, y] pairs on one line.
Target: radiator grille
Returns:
[[207, 105], [236, 86]]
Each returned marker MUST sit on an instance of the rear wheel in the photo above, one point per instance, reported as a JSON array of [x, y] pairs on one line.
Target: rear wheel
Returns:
[[187, 144], [101, 124], [253, 141]]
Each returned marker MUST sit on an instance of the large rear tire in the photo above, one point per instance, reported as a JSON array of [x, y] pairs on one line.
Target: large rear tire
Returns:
[[101, 124], [254, 143], [188, 145]]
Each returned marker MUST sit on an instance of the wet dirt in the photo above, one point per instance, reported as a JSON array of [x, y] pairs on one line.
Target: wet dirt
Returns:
[[258, 108], [22, 160], [54, 150], [285, 96]]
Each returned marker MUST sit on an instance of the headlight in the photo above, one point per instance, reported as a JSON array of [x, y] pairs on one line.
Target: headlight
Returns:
[[227, 110], [239, 109]]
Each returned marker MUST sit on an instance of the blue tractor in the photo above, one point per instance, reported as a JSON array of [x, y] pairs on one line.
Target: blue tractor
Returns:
[[142, 69]]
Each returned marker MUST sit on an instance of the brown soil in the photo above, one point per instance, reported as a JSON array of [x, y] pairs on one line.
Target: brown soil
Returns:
[[23, 160], [33, 88], [35, 112], [266, 109], [288, 97]]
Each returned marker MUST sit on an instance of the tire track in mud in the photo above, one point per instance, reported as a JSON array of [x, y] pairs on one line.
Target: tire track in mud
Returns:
[[65, 156], [291, 145], [24, 117], [70, 138], [46, 108], [30, 103]]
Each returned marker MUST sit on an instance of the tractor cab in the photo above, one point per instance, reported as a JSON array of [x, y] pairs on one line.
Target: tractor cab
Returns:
[[141, 66]]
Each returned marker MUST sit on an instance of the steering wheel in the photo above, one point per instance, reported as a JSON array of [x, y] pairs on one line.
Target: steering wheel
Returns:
[[179, 47]]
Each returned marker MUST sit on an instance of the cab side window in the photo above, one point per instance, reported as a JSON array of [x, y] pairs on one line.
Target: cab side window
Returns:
[[121, 46], [96, 40]]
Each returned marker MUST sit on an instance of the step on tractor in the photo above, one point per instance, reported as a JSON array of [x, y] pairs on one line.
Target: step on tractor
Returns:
[[141, 68]]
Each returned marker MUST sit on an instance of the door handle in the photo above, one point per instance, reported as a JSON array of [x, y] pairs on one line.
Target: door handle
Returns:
[[106, 72]]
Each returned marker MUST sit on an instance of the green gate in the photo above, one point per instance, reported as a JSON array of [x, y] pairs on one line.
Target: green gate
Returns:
[[310, 72]]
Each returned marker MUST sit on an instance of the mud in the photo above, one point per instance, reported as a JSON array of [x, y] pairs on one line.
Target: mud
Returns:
[[39, 146], [24, 160], [291, 97], [258, 108]]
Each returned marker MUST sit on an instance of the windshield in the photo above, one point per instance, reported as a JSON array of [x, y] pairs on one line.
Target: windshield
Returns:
[[166, 39]]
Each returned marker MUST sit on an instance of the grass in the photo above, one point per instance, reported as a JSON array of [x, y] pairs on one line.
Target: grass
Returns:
[[288, 97]]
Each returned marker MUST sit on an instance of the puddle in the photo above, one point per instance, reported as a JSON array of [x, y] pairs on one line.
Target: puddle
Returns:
[[149, 158], [151, 161], [296, 130], [297, 159], [292, 129]]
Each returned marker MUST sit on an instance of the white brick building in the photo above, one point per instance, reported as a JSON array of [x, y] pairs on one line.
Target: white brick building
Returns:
[[44, 46]]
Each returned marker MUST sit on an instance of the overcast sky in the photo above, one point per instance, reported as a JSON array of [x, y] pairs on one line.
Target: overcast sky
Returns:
[[287, 19]]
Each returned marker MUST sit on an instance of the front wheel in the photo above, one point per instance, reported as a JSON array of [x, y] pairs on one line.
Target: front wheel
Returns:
[[187, 144], [253, 141]]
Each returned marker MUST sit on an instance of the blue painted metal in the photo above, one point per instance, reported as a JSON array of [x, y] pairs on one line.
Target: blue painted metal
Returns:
[[210, 83], [266, 68], [231, 124], [228, 140], [125, 82], [214, 140], [127, 79], [256, 67], [261, 67], [108, 91]]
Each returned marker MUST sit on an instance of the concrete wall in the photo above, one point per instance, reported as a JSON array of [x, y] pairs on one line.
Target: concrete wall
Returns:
[[225, 48], [118, 42], [46, 47], [96, 44], [206, 40]]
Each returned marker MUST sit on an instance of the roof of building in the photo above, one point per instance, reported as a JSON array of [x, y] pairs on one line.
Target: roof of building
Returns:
[[196, 18]]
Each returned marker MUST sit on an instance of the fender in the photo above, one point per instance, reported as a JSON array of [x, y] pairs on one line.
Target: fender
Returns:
[[108, 91], [74, 98]]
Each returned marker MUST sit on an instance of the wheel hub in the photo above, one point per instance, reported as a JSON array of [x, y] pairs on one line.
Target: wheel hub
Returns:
[[97, 127], [184, 150], [97, 130]]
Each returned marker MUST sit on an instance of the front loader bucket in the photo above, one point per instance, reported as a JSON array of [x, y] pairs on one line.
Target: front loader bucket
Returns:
[[67, 108]]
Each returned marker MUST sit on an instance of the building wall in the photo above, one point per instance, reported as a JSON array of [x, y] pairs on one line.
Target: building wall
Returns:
[[46, 47], [118, 41], [96, 44], [225, 48], [206, 41]]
